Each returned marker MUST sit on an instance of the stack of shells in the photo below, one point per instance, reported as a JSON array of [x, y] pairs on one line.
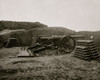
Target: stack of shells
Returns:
[[86, 50]]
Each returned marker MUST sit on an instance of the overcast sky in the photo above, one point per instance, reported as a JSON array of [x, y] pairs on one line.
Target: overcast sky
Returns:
[[73, 14]]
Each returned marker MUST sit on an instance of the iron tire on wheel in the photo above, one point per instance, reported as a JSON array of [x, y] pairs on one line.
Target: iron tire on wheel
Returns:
[[68, 44]]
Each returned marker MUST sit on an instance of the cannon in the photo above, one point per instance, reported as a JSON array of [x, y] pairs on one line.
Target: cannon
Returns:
[[62, 43], [54, 43]]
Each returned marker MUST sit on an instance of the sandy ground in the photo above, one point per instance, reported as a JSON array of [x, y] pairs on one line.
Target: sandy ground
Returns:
[[54, 67]]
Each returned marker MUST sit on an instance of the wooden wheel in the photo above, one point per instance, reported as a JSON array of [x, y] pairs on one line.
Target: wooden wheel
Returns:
[[68, 44]]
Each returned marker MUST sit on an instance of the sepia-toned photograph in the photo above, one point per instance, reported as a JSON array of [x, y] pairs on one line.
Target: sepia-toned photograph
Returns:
[[49, 39]]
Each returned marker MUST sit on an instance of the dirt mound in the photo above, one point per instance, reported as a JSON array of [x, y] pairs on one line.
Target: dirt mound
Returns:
[[13, 25], [24, 37]]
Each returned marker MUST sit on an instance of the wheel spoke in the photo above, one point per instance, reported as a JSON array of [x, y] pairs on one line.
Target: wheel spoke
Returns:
[[69, 45]]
